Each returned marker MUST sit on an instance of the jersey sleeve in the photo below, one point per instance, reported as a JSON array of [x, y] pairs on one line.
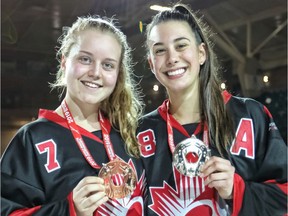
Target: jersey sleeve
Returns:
[[22, 188], [261, 186]]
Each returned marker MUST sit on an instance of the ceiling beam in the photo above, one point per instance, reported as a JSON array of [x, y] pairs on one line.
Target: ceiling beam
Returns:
[[275, 63], [229, 50], [272, 35], [256, 17], [227, 44]]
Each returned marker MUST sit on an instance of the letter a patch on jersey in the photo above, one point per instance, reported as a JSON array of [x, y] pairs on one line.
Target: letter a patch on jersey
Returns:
[[244, 139]]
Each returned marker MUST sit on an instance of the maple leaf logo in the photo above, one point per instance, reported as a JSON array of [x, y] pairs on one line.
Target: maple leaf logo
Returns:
[[191, 197], [132, 204]]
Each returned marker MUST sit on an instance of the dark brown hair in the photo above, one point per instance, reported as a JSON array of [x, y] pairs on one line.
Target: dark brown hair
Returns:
[[212, 107]]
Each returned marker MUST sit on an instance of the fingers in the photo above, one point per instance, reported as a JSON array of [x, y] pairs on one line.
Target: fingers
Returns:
[[219, 173], [89, 204], [217, 180], [88, 195], [215, 164], [89, 184]]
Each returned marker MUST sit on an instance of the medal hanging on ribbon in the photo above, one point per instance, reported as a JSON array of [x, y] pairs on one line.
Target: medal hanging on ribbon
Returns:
[[190, 154], [119, 177]]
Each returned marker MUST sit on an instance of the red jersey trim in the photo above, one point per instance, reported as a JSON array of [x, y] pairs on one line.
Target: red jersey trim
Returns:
[[283, 187], [238, 194], [72, 210], [226, 96], [175, 124], [267, 111], [53, 116], [25, 211]]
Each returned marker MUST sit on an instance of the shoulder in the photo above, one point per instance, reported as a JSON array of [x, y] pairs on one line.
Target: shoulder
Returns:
[[31, 126], [29, 134], [250, 111], [246, 105], [21, 145], [152, 116], [150, 120]]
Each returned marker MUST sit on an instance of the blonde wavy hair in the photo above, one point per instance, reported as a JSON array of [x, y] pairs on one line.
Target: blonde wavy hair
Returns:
[[124, 106]]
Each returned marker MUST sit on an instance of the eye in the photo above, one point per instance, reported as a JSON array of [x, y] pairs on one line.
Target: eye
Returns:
[[159, 51], [108, 65], [181, 46], [85, 60]]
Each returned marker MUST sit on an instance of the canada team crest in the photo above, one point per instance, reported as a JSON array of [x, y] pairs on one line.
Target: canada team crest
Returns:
[[190, 197]]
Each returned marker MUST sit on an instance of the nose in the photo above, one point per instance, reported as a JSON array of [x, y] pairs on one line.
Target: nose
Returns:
[[95, 70], [172, 57]]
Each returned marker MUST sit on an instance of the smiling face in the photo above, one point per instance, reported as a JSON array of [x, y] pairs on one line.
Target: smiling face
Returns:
[[174, 55], [92, 66]]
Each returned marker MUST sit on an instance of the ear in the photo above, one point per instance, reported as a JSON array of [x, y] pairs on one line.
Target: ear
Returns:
[[150, 64], [202, 53], [63, 63]]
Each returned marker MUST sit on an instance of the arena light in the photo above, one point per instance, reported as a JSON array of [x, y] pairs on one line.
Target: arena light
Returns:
[[155, 88], [265, 79], [223, 86], [268, 100], [159, 8]]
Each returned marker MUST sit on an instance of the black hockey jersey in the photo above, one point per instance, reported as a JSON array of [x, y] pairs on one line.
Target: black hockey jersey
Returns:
[[258, 154], [43, 164]]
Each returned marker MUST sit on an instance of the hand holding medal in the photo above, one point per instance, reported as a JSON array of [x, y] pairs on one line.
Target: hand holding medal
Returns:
[[119, 177], [190, 154]]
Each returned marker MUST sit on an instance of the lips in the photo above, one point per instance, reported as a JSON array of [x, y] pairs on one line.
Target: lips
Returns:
[[91, 84]]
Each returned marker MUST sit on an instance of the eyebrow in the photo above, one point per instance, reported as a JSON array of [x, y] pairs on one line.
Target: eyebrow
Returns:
[[90, 54], [176, 40]]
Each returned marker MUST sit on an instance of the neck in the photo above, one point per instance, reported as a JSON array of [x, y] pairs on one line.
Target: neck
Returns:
[[84, 115], [185, 108]]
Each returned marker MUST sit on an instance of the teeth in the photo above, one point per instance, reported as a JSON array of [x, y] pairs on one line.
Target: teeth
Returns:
[[91, 85], [176, 72]]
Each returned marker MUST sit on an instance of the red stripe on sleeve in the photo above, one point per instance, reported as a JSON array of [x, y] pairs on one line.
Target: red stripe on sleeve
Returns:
[[238, 194], [283, 187], [267, 112], [71, 205], [25, 211]]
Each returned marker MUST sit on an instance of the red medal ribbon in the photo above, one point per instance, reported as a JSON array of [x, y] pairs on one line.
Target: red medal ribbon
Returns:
[[170, 131], [104, 124]]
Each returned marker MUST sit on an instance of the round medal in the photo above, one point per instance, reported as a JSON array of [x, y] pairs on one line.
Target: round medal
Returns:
[[189, 155], [119, 178]]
